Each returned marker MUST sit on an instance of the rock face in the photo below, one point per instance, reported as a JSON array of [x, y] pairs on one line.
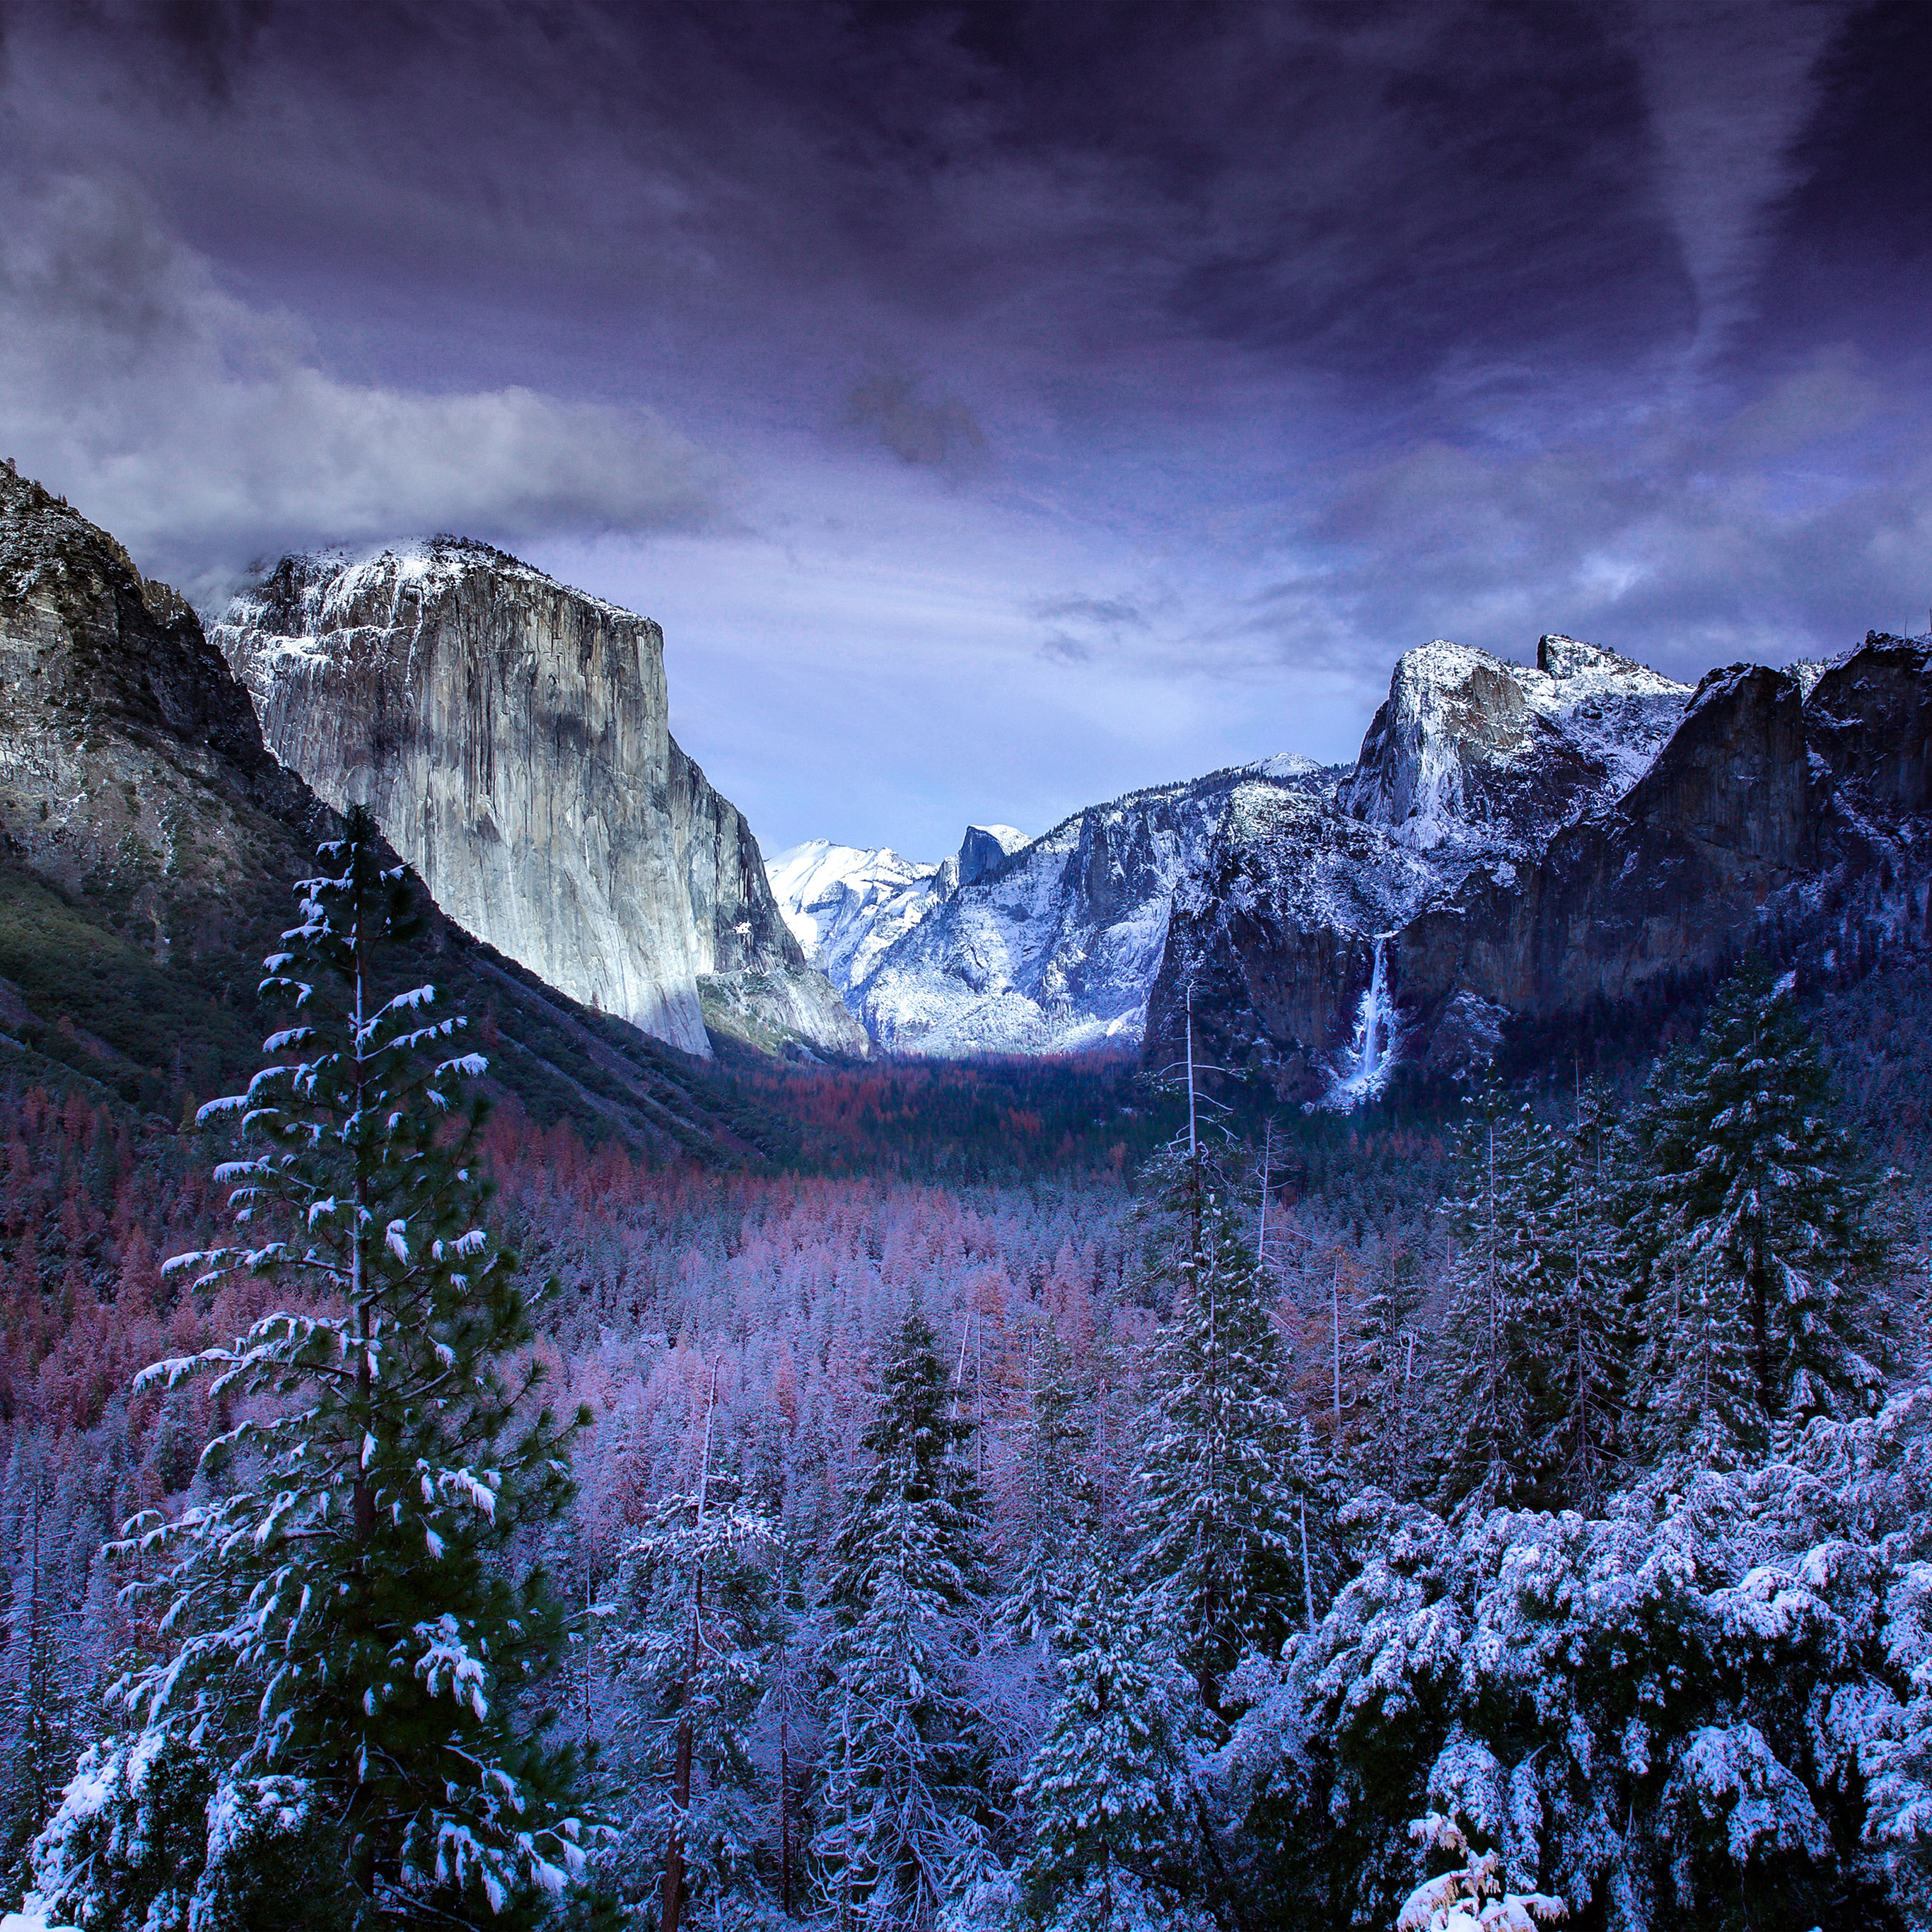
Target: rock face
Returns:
[[1585, 835], [510, 735], [1470, 750], [1049, 947], [847, 904], [132, 771], [148, 842]]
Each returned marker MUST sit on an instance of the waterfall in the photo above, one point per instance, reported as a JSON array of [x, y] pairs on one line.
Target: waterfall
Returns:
[[1371, 1052]]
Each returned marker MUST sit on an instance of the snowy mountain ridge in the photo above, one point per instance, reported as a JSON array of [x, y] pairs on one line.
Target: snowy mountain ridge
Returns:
[[845, 904], [1473, 761], [1512, 839], [1767, 811], [1013, 946], [1470, 749]]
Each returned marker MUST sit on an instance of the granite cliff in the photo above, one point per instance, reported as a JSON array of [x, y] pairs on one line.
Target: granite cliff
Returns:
[[1527, 845], [148, 841], [510, 734]]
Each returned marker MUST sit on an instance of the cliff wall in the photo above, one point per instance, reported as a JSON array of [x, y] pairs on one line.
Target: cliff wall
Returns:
[[148, 844], [511, 735]]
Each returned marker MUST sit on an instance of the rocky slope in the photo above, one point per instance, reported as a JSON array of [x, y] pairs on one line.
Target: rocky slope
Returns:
[[510, 735], [847, 906], [1602, 841], [148, 844], [1050, 947]]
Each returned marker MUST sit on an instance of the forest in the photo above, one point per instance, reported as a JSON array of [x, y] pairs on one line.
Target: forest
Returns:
[[1044, 1498]]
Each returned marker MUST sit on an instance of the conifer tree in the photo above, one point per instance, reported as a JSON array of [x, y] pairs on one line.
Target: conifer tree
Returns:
[[1052, 1454], [1753, 1197], [901, 1767], [698, 1615], [1536, 1329], [1217, 1547], [1382, 1369], [1579, 1338], [1701, 1407], [345, 1619], [1110, 1791]]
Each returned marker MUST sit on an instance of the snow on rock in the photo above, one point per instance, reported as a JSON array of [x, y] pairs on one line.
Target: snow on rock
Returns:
[[1051, 946], [511, 735], [1470, 748], [846, 905], [1288, 930], [1473, 762]]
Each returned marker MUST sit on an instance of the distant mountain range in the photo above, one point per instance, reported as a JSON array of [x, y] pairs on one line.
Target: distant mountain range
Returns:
[[1513, 845]]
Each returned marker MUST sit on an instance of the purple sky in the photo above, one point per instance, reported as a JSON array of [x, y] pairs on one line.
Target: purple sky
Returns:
[[1002, 406]]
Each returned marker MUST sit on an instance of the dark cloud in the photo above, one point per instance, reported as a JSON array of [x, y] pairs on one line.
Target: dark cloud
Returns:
[[1376, 194], [202, 431], [1327, 328]]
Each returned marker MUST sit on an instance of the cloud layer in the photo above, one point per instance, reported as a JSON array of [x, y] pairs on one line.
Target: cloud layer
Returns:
[[1158, 373], [201, 430]]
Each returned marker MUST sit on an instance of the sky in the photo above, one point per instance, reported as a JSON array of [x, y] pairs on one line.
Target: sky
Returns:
[[1002, 406]]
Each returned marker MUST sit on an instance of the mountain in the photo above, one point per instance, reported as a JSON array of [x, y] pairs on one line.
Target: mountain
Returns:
[[1049, 947], [847, 905], [148, 842], [1525, 846], [510, 735]]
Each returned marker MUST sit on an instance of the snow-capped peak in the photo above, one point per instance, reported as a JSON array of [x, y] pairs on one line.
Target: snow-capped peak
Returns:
[[1470, 747], [846, 904]]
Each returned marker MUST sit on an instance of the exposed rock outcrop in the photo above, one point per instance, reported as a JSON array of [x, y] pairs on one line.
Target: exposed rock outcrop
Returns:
[[132, 771], [1583, 836], [148, 842], [1471, 750], [511, 736]]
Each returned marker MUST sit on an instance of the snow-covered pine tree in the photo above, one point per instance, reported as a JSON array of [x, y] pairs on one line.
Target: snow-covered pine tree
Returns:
[[345, 1620], [1215, 1518], [1382, 1368], [902, 1756], [1700, 1403], [41, 1706], [1052, 1452], [1753, 1193], [1574, 1331], [697, 1615], [1523, 1337], [1110, 1791]]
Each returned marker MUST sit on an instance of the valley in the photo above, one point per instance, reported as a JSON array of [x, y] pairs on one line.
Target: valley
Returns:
[[1339, 1051]]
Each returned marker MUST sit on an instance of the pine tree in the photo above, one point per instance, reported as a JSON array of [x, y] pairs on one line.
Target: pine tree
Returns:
[[1052, 1455], [1217, 1547], [39, 1705], [1382, 1367], [1752, 1196], [698, 1615], [1579, 1336], [1110, 1789], [1701, 1407], [902, 1758], [1535, 1329], [345, 1619]]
